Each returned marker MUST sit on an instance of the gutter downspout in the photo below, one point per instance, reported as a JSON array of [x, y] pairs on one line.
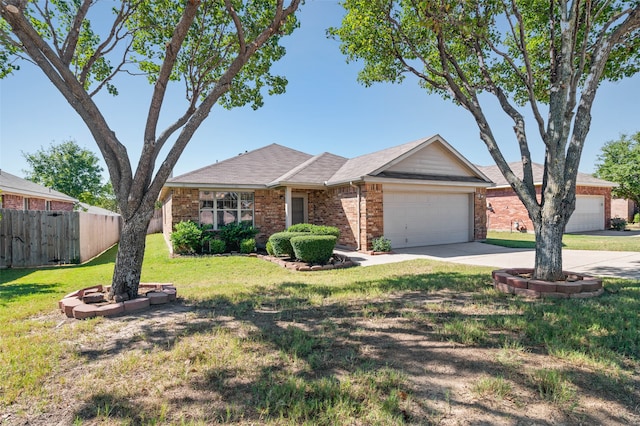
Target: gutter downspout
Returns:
[[358, 213]]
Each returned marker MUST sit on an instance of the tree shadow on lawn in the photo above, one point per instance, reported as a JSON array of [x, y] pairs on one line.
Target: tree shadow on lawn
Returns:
[[345, 357], [10, 292]]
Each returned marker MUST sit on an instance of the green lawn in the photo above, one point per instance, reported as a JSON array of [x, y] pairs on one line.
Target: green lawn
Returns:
[[624, 242], [253, 343]]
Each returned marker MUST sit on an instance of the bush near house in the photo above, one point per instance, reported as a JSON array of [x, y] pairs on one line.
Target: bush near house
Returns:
[[315, 229], [281, 242], [248, 246], [313, 248], [191, 238]]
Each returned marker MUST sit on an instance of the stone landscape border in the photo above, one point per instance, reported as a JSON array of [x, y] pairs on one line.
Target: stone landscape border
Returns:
[[338, 261], [91, 301], [575, 286]]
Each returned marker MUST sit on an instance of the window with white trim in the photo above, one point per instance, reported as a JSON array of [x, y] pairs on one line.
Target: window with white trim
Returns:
[[222, 208]]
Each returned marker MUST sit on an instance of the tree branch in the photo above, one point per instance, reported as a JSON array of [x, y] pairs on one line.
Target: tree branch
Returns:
[[71, 42]]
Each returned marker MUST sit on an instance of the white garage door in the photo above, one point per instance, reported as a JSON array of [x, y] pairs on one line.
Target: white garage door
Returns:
[[413, 219], [588, 215]]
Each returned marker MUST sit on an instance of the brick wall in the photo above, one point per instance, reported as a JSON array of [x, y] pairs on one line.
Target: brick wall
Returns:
[[507, 207], [336, 207], [623, 208], [372, 214], [12, 202], [16, 202], [61, 205], [185, 205], [479, 214], [268, 213]]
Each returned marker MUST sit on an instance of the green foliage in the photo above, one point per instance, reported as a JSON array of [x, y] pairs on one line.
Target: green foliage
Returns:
[[201, 68], [234, 233], [619, 162], [458, 44], [381, 244], [187, 238], [217, 246], [269, 248], [553, 386], [248, 246], [72, 170], [636, 218], [618, 223], [315, 229], [313, 248], [281, 243]]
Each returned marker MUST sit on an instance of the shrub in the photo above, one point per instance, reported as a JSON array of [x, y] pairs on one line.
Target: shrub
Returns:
[[269, 249], [248, 246], [186, 239], [636, 218], [315, 229], [618, 223], [381, 244], [281, 244], [313, 248], [217, 246], [233, 234]]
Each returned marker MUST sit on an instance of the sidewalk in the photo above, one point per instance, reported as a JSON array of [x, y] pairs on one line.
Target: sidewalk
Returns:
[[620, 264]]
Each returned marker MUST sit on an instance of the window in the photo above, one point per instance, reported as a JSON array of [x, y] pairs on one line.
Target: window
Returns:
[[222, 208]]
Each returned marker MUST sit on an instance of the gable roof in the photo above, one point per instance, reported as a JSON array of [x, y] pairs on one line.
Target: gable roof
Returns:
[[381, 164], [11, 184], [494, 173], [275, 165]]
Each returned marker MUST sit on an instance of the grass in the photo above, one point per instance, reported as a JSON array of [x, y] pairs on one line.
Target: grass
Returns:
[[569, 241], [261, 344]]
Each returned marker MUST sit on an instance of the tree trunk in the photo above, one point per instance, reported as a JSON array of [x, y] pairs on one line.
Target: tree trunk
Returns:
[[548, 263], [126, 274]]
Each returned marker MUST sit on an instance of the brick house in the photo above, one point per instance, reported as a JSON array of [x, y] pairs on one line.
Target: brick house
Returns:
[[419, 193], [624, 208], [507, 213], [22, 194]]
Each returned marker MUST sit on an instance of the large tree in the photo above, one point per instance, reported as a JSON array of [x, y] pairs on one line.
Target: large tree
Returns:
[[70, 169], [547, 56], [220, 50], [619, 162]]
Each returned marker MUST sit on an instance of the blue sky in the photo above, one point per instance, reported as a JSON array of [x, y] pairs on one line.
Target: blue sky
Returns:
[[324, 109]]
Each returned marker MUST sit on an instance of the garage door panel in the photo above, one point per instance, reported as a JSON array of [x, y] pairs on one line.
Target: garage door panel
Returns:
[[415, 219], [588, 214]]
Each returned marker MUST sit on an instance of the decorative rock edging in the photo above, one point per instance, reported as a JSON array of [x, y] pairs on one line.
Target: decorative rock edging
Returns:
[[576, 286], [337, 262], [90, 302]]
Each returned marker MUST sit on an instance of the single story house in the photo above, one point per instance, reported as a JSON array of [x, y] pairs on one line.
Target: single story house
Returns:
[[22, 194], [505, 211], [419, 193]]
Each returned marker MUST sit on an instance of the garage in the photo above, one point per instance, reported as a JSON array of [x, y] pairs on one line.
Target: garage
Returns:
[[588, 215], [413, 219]]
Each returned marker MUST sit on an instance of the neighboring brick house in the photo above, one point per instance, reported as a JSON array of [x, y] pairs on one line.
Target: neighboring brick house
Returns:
[[506, 212], [419, 193], [21, 194]]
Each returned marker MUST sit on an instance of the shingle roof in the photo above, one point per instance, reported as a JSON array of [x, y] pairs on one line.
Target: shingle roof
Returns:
[[276, 165], [493, 173], [16, 185], [254, 168], [315, 171]]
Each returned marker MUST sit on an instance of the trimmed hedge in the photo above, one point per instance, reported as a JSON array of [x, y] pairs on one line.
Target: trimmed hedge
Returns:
[[217, 246], [313, 248], [281, 242], [248, 246], [315, 229]]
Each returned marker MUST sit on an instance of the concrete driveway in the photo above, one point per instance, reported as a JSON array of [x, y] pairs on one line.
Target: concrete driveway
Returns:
[[620, 264]]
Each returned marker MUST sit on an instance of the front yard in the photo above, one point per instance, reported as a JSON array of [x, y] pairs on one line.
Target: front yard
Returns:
[[419, 342]]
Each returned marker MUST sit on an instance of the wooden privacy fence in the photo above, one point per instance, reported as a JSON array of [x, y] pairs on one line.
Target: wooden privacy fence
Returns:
[[38, 238]]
